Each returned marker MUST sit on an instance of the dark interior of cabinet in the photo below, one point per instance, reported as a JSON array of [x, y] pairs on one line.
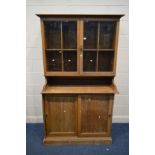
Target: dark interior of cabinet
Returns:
[[105, 60], [70, 60], [90, 34], [69, 33], [61, 46], [89, 61], [98, 61], [99, 34], [61, 60], [79, 81], [106, 35], [53, 34], [61, 34], [54, 60], [98, 53]]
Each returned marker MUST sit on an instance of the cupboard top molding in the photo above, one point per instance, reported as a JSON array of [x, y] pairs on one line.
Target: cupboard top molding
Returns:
[[80, 16]]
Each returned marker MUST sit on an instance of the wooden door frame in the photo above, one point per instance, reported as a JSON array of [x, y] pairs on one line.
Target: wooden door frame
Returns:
[[81, 49], [59, 73], [80, 33]]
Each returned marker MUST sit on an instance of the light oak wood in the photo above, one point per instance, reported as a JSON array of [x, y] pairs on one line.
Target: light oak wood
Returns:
[[77, 140], [44, 106], [79, 116], [80, 89], [81, 45], [94, 115], [77, 100], [110, 112], [78, 44], [62, 48], [43, 45], [61, 114], [116, 46], [81, 74]]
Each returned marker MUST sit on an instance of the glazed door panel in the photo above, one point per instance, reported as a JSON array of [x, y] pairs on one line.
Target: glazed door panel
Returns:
[[79, 47], [95, 114], [61, 114], [98, 47], [61, 47]]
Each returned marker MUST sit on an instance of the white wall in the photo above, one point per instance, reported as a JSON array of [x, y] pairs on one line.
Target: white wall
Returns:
[[35, 78]]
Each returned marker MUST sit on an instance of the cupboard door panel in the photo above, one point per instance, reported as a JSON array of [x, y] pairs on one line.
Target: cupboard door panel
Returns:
[[53, 34], [61, 55], [94, 115], [69, 29], [105, 61], [54, 61], [98, 47], [90, 34], [70, 61], [61, 115], [89, 61], [106, 39]]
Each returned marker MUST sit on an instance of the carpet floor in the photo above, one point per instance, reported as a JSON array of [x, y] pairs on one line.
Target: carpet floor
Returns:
[[35, 146]]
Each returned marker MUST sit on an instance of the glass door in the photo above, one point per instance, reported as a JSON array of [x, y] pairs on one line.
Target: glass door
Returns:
[[98, 47], [61, 47]]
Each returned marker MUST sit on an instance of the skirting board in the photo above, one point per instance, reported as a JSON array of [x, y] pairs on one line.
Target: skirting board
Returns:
[[39, 119], [78, 140]]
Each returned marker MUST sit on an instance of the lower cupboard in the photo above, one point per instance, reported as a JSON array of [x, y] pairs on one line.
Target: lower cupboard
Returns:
[[77, 118]]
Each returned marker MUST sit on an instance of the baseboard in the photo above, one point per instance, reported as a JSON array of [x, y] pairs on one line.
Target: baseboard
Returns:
[[34, 119], [77, 140], [39, 119], [120, 119]]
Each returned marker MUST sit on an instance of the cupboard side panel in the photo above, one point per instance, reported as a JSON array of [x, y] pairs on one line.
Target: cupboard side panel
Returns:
[[44, 116], [116, 46], [43, 45], [110, 113]]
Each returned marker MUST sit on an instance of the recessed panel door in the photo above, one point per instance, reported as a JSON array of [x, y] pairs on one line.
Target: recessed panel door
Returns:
[[95, 115], [61, 114]]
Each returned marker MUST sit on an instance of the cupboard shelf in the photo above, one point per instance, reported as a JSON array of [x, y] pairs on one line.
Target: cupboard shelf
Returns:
[[99, 49], [80, 89], [60, 49], [78, 74]]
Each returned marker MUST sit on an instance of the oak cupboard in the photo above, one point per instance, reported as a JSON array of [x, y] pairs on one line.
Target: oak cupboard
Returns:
[[79, 55]]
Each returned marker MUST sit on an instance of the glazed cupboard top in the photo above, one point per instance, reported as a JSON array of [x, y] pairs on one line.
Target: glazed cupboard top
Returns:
[[80, 45]]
